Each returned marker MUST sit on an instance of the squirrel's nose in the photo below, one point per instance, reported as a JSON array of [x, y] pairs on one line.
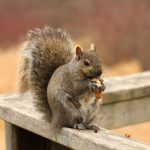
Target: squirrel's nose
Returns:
[[98, 73]]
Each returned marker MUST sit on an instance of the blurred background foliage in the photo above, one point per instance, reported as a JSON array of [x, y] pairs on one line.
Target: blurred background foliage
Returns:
[[120, 29]]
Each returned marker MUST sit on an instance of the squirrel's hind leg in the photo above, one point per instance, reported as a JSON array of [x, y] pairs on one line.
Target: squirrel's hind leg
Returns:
[[89, 125], [67, 112]]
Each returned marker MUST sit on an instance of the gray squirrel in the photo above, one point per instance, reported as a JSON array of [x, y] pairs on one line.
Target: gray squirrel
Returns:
[[58, 74]]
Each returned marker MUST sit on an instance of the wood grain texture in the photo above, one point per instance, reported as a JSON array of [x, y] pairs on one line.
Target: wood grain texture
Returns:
[[127, 88], [115, 115], [22, 112]]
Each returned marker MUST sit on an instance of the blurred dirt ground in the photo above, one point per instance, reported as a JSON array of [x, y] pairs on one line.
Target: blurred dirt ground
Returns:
[[138, 131], [2, 136], [9, 60]]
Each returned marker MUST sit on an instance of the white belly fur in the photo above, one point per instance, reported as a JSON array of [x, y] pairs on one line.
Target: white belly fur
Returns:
[[86, 101]]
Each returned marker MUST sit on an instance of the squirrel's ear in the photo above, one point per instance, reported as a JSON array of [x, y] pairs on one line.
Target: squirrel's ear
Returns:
[[93, 48], [78, 52]]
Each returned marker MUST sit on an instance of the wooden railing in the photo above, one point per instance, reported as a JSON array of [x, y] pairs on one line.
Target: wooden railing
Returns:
[[126, 101]]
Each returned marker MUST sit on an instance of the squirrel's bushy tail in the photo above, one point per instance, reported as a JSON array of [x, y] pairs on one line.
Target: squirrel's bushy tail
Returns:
[[45, 50]]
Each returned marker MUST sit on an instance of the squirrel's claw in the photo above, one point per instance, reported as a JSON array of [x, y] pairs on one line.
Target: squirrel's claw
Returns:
[[93, 86], [93, 127]]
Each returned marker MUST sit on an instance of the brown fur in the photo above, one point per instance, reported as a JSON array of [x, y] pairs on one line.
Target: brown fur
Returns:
[[23, 82], [44, 51], [70, 80], [58, 79]]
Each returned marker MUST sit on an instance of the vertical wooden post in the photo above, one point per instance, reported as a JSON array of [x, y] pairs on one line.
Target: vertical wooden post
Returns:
[[11, 136], [20, 139]]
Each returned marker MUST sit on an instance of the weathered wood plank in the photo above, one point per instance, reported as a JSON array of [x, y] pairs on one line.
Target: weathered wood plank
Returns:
[[22, 112], [115, 115], [127, 87]]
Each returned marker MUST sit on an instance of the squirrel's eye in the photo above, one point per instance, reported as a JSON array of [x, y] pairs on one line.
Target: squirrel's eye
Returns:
[[86, 63]]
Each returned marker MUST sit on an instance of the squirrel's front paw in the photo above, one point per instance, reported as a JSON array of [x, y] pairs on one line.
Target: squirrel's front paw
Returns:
[[79, 126], [93, 127], [102, 87], [93, 85]]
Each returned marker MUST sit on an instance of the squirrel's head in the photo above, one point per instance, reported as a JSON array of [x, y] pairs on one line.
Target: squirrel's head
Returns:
[[89, 62]]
